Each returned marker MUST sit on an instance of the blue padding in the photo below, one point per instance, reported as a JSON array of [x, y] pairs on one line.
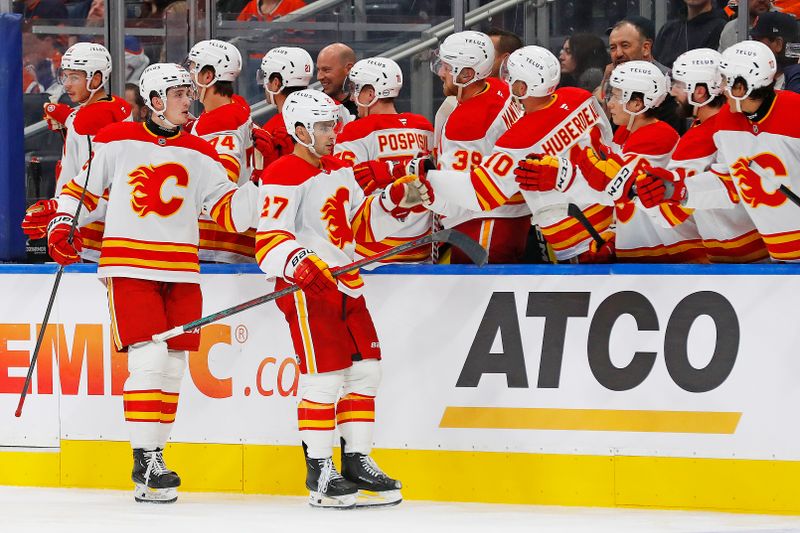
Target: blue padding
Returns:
[[12, 140], [489, 270]]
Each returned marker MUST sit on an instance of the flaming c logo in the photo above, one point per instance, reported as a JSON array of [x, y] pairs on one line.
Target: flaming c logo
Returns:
[[751, 185], [148, 184], [334, 213]]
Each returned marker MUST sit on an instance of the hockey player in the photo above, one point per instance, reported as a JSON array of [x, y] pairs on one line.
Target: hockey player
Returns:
[[313, 213], [283, 70], [556, 121], [642, 140], [160, 178], [85, 69], [225, 123], [729, 235], [484, 112], [757, 140], [384, 137]]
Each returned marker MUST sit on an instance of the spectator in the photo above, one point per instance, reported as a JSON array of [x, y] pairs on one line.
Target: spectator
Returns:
[[504, 42], [776, 30], [730, 34], [788, 6], [631, 39], [583, 58], [268, 10], [139, 111], [333, 65], [45, 10], [699, 28], [135, 59]]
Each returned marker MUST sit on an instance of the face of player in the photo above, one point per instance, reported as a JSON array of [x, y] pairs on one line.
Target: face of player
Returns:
[[626, 44], [179, 99], [74, 82], [273, 86], [619, 115], [445, 74], [566, 59], [739, 89]]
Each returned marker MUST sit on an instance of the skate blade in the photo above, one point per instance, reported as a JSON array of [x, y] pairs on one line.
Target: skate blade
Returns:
[[145, 494], [317, 499], [386, 498]]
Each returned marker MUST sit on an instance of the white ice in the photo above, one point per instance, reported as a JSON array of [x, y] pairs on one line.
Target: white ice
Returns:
[[32, 510]]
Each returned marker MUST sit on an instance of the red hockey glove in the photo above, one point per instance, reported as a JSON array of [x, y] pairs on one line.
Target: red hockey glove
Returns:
[[283, 142], [544, 173], [56, 115], [606, 171], [310, 272], [373, 175], [61, 250], [600, 254], [37, 217], [265, 144], [658, 185], [401, 196]]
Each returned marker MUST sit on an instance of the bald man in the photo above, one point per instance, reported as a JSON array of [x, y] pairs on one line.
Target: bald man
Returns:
[[333, 65]]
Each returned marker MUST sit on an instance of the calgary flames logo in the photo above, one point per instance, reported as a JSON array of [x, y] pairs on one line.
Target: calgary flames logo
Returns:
[[758, 190], [334, 212], [148, 188]]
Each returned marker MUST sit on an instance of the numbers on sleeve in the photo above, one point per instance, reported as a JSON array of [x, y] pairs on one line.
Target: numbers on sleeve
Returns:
[[466, 159], [278, 202]]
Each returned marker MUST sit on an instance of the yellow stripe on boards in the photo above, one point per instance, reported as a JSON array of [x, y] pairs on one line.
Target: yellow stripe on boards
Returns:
[[724, 423]]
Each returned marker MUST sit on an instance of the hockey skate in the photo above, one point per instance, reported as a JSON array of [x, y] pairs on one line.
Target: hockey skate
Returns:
[[375, 488], [327, 487], [155, 483]]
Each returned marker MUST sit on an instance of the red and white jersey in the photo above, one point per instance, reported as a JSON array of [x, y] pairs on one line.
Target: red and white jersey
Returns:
[[229, 130], [85, 121], [729, 235], [396, 138], [469, 134], [640, 237], [572, 118], [323, 210], [157, 187], [774, 144]]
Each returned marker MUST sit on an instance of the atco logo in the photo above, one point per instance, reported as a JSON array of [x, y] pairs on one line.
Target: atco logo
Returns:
[[148, 192], [757, 190], [334, 213]]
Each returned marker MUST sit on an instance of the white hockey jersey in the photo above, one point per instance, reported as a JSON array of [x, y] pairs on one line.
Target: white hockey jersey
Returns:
[[81, 127], [773, 143], [729, 235], [157, 189], [229, 130], [396, 138], [568, 121], [323, 210], [640, 237], [469, 134]]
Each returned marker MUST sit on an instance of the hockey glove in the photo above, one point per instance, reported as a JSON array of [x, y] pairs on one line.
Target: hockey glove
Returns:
[[420, 165], [310, 272], [56, 115], [544, 173], [59, 246], [37, 217], [283, 142], [606, 171], [658, 185], [264, 143], [600, 254], [373, 175], [401, 196]]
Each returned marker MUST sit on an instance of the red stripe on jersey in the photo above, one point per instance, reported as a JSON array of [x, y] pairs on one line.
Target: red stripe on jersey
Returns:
[[221, 212], [747, 248], [75, 190]]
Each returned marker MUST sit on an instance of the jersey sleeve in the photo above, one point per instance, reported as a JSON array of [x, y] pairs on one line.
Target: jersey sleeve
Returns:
[[232, 207], [96, 176], [370, 219], [229, 147], [351, 152], [276, 237]]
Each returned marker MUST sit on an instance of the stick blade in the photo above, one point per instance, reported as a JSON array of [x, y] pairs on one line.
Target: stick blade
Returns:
[[476, 253]]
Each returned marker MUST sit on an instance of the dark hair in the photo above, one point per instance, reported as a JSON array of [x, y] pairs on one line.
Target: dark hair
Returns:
[[508, 42], [649, 113], [644, 26], [222, 88], [762, 93], [588, 51], [137, 97]]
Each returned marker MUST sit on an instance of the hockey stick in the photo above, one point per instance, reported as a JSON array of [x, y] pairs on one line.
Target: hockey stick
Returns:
[[476, 253], [56, 283], [768, 176], [575, 212]]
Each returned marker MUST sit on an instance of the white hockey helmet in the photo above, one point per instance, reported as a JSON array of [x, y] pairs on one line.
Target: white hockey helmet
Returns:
[[293, 64], [222, 56], [534, 66], [465, 49], [640, 77], [696, 67], [89, 58], [752, 61], [309, 108], [384, 75], [159, 78]]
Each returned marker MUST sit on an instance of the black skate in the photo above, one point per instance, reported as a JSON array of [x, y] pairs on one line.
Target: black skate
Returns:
[[327, 487], [375, 488], [155, 483]]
